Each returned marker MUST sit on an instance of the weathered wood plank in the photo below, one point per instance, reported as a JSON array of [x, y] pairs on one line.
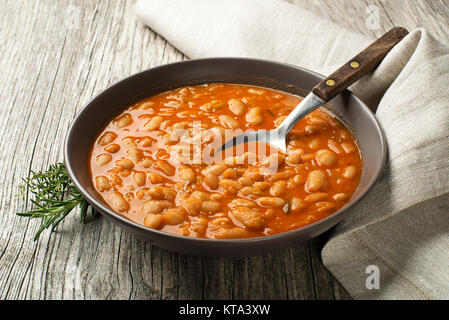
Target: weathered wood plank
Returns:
[[55, 56]]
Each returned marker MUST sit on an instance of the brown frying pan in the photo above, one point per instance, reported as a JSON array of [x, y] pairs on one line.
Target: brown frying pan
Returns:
[[294, 80]]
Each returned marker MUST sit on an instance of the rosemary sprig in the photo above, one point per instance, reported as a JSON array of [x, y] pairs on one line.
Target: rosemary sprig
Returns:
[[54, 196]]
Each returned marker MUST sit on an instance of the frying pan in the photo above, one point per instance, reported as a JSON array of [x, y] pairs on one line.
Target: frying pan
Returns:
[[288, 78]]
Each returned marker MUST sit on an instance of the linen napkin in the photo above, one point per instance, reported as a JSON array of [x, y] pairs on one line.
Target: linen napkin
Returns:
[[401, 226]]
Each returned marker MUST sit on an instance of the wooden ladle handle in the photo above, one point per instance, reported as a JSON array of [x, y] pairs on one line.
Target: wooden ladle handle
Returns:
[[360, 65]]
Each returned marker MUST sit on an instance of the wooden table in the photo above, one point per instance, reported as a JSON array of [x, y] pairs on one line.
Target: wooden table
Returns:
[[51, 64]]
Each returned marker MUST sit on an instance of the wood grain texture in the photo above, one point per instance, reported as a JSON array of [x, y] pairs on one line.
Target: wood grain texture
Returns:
[[55, 56]]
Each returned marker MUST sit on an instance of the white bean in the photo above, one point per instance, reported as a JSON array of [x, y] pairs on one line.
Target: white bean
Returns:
[[229, 185], [162, 193], [340, 196], [187, 174], [296, 205], [228, 122], [123, 121], [278, 188], [155, 206], [155, 177], [147, 105], [249, 217], [348, 148], [231, 233], [118, 202], [102, 183], [112, 148], [135, 155], [215, 169], [211, 180], [125, 164], [314, 144], [325, 158], [192, 206], [245, 181], [316, 180], [315, 197], [165, 167], [271, 201], [210, 206], [230, 174], [103, 159], [294, 157], [254, 115], [236, 106], [154, 123], [107, 138], [129, 142], [174, 216], [350, 172], [154, 221], [246, 191], [139, 178]]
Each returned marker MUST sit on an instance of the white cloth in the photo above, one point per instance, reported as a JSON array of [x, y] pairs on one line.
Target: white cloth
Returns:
[[402, 224]]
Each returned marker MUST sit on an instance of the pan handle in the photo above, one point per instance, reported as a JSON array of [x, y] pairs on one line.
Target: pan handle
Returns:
[[360, 65]]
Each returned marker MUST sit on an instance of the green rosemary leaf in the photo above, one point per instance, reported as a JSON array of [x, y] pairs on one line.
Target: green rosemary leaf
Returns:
[[59, 218], [54, 195]]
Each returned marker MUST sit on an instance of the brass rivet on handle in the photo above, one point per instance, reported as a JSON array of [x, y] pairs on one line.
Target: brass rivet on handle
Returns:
[[355, 64], [330, 82]]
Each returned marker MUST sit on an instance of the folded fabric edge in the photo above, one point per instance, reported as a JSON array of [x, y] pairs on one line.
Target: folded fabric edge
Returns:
[[154, 15]]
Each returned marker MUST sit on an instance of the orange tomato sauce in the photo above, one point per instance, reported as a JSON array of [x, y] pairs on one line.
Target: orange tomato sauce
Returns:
[[154, 164]]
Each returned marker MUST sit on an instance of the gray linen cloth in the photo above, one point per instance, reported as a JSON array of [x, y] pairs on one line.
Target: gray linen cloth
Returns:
[[402, 225]]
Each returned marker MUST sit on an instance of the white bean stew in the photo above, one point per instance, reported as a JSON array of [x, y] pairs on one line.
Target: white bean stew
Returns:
[[154, 164]]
